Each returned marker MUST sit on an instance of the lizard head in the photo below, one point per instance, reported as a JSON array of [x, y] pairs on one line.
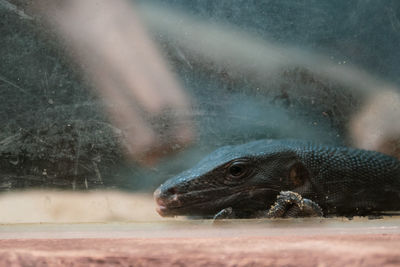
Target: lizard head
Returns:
[[247, 177]]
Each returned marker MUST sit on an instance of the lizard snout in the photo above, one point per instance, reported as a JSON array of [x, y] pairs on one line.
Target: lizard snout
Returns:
[[165, 200]]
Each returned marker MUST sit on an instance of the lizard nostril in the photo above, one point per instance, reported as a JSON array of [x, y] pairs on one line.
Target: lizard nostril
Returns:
[[172, 191]]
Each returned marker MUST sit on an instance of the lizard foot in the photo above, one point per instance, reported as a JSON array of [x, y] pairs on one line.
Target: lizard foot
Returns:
[[290, 204], [226, 213]]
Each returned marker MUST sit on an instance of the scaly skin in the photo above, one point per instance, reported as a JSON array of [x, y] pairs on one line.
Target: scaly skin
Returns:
[[245, 181]]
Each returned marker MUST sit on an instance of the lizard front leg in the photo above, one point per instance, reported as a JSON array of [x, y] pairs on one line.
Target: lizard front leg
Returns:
[[290, 204]]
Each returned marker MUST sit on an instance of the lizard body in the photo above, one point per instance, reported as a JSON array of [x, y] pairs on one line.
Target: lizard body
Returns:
[[248, 178]]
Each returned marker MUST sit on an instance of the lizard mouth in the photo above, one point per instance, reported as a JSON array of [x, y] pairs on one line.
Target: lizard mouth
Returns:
[[198, 208], [165, 208], [207, 205], [177, 204]]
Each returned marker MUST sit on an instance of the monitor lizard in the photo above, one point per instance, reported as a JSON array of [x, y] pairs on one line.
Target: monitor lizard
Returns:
[[283, 178]]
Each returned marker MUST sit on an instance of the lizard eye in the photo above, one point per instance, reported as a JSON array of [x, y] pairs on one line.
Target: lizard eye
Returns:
[[238, 169]]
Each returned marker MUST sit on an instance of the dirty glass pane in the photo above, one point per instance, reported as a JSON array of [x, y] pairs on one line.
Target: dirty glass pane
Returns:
[[204, 74]]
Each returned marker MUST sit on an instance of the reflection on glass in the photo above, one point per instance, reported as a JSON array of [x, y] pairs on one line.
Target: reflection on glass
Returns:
[[98, 94]]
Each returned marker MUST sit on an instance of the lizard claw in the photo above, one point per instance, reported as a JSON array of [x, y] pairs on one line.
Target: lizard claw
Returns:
[[226, 213], [291, 204]]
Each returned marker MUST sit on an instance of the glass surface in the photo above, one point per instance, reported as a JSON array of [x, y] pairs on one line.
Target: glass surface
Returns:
[[236, 71]]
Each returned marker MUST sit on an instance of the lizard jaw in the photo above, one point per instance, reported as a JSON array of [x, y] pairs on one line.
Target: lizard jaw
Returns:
[[174, 205], [164, 204]]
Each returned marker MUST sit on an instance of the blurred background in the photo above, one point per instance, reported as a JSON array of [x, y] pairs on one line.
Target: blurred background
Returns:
[[127, 94]]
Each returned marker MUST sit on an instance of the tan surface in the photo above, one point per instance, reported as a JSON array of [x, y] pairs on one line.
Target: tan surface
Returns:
[[132, 234], [61, 206]]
